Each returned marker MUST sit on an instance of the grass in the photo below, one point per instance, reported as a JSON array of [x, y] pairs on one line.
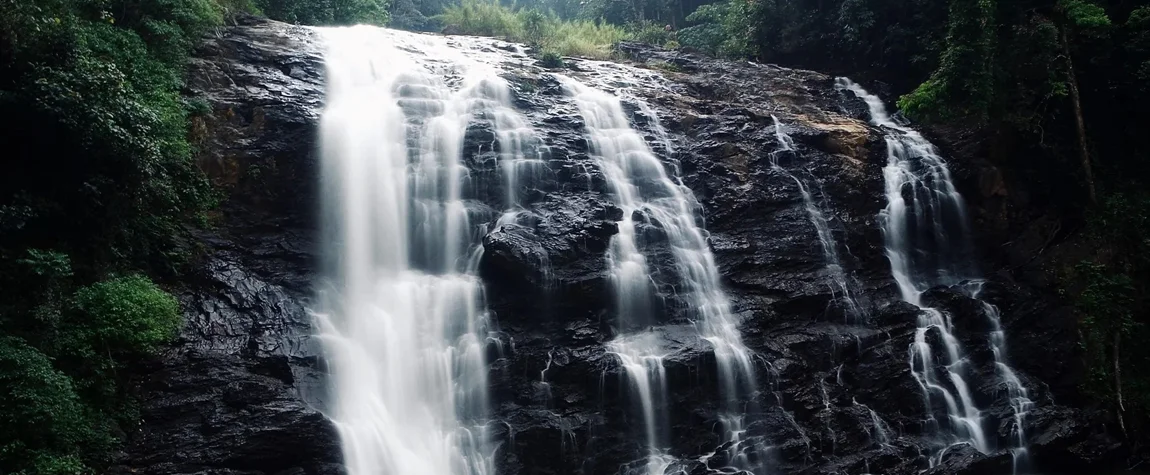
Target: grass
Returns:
[[546, 32]]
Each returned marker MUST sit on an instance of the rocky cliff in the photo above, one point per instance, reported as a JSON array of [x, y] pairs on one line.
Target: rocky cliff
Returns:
[[243, 390]]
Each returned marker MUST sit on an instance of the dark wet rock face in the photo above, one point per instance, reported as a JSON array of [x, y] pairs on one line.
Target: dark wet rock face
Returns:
[[239, 392], [242, 391]]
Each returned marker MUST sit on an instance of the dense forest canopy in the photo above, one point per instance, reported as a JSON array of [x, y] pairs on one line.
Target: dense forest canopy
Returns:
[[101, 188]]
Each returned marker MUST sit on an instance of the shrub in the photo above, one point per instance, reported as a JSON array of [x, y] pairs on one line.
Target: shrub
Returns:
[[43, 425], [585, 38], [551, 59], [664, 66], [128, 314], [649, 32], [535, 25]]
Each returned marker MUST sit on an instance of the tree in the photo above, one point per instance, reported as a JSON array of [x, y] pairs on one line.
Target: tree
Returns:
[[963, 84], [1078, 16]]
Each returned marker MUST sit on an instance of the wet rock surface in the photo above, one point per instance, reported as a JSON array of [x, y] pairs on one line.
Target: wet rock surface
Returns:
[[242, 391]]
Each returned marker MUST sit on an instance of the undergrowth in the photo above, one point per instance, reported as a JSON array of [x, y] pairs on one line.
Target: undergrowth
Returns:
[[545, 32]]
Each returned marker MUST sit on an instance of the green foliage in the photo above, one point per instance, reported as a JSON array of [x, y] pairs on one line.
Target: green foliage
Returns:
[[897, 40], [1026, 84], [1084, 14], [1105, 305], [44, 428], [72, 360], [483, 18], [963, 84], [664, 66], [927, 101], [723, 29], [624, 12], [649, 32], [94, 121], [100, 94], [535, 26], [584, 38], [1110, 303], [329, 12], [130, 314], [551, 60], [546, 33]]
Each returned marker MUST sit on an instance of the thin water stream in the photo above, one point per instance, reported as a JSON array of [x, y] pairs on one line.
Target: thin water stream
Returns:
[[925, 228], [839, 283], [642, 187]]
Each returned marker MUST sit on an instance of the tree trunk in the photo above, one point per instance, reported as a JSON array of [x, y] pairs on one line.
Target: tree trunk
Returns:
[[1079, 121], [1118, 382]]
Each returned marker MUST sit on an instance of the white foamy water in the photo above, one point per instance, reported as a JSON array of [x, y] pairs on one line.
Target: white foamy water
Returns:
[[642, 188], [928, 244], [1019, 397], [402, 318]]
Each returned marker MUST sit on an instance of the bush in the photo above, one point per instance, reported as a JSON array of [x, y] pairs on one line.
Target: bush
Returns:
[[91, 106], [128, 314], [584, 38], [551, 59], [664, 66], [649, 32], [43, 425], [100, 95]]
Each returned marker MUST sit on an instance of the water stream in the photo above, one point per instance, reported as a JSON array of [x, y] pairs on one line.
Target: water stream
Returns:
[[928, 243], [648, 196], [838, 281], [401, 310], [403, 317], [1016, 392]]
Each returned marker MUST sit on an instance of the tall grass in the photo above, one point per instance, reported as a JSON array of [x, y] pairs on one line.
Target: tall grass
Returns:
[[482, 18], [545, 32], [583, 38]]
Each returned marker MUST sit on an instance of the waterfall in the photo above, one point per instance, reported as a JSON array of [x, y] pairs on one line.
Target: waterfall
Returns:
[[642, 188], [839, 284], [402, 318], [928, 244], [1016, 393], [520, 154], [927, 239]]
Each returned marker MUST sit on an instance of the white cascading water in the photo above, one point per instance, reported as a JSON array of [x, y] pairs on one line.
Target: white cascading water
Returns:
[[1018, 396], [642, 188], [928, 244], [403, 319], [520, 154], [838, 281]]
